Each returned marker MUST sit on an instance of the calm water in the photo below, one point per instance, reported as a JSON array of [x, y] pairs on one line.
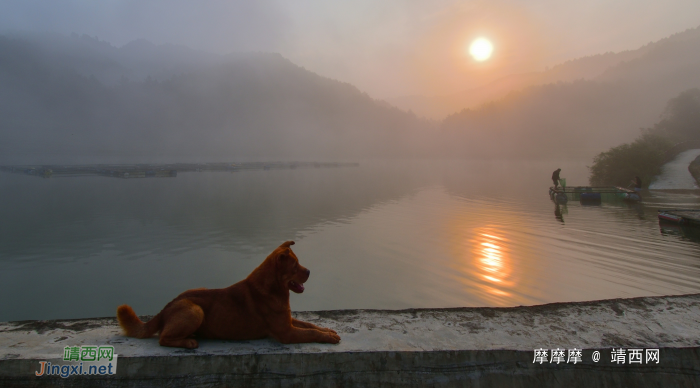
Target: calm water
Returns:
[[381, 236]]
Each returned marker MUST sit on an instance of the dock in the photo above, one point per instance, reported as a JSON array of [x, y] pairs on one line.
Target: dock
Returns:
[[593, 194], [157, 170], [444, 347], [689, 217]]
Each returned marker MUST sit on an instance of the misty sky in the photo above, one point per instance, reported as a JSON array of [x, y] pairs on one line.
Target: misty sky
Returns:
[[387, 48]]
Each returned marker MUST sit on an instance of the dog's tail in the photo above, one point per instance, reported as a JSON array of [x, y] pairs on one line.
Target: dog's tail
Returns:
[[132, 325]]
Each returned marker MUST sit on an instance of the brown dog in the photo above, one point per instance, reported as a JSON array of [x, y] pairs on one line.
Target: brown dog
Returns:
[[256, 307]]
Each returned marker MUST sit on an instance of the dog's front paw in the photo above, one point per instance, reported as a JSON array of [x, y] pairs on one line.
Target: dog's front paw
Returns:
[[332, 338], [191, 344], [187, 343]]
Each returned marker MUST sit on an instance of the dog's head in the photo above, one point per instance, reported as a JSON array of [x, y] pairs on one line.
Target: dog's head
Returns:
[[292, 274]]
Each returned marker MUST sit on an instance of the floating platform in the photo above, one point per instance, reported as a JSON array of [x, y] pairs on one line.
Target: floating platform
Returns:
[[689, 217], [591, 194], [157, 170]]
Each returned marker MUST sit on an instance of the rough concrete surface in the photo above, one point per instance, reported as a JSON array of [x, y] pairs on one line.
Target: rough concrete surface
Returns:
[[675, 174], [420, 347]]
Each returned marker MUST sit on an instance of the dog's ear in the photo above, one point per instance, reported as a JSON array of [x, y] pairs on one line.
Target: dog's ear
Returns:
[[287, 244], [284, 256]]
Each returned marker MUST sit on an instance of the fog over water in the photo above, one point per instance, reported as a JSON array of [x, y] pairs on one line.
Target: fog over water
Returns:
[[381, 235]]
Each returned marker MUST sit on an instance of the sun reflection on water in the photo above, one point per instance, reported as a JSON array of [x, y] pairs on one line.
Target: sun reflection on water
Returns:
[[492, 261]]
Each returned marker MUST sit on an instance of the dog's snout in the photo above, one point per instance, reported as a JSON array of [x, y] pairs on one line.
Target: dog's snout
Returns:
[[308, 272]]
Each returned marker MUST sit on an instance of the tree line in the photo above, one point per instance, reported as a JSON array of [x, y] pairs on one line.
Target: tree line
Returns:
[[678, 130]]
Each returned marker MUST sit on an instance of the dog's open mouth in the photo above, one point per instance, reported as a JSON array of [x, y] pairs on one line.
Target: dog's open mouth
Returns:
[[296, 287]]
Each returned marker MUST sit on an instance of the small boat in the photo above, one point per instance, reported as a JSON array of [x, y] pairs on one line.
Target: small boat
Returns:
[[591, 194], [690, 217]]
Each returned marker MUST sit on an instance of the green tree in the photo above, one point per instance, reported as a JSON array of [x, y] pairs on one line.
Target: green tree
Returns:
[[643, 157]]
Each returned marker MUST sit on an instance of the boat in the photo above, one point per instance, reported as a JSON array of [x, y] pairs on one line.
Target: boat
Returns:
[[592, 194], [689, 217]]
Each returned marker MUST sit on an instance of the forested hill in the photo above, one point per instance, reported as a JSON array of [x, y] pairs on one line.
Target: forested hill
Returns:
[[77, 99], [580, 118], [584, 68]]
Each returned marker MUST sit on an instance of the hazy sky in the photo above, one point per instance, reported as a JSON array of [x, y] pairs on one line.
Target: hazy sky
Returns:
[[387, 48]]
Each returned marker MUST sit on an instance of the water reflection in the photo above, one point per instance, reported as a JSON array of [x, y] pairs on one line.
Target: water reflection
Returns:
[[493, 262], [684, 232], [558, 213], [638, 209], [382, 238]]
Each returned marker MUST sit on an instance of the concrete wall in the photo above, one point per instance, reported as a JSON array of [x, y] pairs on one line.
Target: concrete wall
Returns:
[[464, 347]]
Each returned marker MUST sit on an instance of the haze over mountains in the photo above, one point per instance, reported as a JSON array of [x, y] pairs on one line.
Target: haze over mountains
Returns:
[[586, 68], [74, 99], [585, 116]]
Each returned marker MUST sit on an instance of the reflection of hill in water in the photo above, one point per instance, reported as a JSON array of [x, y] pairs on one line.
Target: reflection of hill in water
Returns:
[[244, 211]]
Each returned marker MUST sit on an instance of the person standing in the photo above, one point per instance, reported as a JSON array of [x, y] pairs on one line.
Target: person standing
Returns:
[[555, 177], [637, 182]]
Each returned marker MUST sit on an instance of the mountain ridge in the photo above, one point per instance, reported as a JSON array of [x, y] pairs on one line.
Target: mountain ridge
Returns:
[[235, 107], [583, 117], [587, 67]]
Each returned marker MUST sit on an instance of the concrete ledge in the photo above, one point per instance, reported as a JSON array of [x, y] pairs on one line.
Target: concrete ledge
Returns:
[[419, 347]]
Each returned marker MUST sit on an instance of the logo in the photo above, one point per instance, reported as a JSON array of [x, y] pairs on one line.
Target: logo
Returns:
[[82, 361]]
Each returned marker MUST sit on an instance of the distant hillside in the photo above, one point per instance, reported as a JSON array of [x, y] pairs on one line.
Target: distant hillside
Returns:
[[586, 68], [583, 117], [77, 99], [89, 56], [70, 98]]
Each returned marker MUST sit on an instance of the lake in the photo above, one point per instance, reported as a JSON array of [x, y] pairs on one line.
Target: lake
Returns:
[[384, 235]]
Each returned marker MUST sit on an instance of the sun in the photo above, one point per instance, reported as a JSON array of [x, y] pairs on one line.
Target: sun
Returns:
[[481, 49]]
